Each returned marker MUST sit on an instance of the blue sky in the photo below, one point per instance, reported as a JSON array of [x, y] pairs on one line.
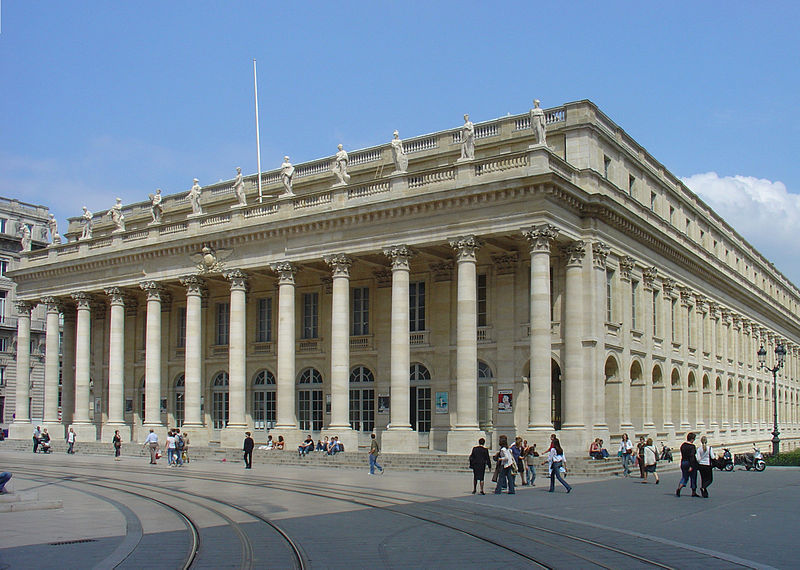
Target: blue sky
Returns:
[[106, 99]]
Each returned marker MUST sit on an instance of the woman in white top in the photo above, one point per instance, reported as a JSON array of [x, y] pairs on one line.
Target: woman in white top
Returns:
[[704, 455], [506, 460], [626, 454], [556, 462], [650, 460]]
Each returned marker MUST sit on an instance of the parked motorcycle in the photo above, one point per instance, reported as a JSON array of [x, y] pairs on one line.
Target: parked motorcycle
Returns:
[[725, 462], [666, 453], [754, 460]]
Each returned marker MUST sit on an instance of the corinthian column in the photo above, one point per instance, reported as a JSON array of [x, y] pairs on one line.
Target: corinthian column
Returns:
[[68, 364], [462, 438], [600, 253], [574, 382], [399, 438], [152, 357], [540, 239], [82, 427], [116, 367], [340, 350], [286, 414], [22, 420], [232, 434], [50, 417], [193, 354]]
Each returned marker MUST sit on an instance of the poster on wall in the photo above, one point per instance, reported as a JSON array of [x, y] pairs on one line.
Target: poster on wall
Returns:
[[383, 404], [441, 403], [505, 400]]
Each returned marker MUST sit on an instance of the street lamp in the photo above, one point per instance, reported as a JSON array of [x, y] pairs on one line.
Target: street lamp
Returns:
[[780, 356]]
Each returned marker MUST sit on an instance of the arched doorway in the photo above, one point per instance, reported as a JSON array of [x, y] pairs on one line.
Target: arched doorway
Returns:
[[658, 397], [263, 400], [362, 399], [220, 398], [613, 395], [556, 396], [420, 400], [179, 402], [707, 396], [693, 394], [675, 397], [637, 395], [309, 400], [485, 396]]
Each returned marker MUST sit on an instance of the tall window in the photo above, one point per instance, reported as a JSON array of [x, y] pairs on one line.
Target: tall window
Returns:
[[264, 320], [264, 400], [362, 399], [3, 267], [634, 304], [3, 297], [181, 340], [360, 308], [689, 327], [223, 324], [673, 319], [482, 295], [3, 222], [606, 166], [309, 400], [485, 399], [655, 312], [653, 197], [609, 295], [420, 398], [180, 407], [416, 302], [220, 400], [310, 315]]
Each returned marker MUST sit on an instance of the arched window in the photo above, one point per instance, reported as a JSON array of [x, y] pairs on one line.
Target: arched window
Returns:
[[309, 400], [263, 400], [420, 398], [362, 399], [485, 395], [219, 400], [180, 408]]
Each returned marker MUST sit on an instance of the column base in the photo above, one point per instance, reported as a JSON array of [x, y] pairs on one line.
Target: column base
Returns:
[[461, 441], [84, 432], [347, 437], [56, 430], [574, 440], [158, 429], [107, 433], [399, 441], [21, 430], [233, 435]]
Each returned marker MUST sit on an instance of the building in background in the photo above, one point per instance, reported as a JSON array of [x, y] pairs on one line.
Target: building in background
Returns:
[[13, 216]]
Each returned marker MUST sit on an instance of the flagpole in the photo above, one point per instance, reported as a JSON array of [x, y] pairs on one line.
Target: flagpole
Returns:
[[258, 140]]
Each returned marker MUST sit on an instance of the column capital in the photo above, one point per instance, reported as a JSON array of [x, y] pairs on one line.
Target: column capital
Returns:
[[116, 295], [540, 237], [649, 275], [339, 264], [153, 289], [575, 252], [238, 279], [195, 285], [668, 284], [713, 310], [700, 302], [686, 296], [82, 299], [286, 271], [400, 256], [51, 303], [465, 247], [600, 251], [24, 307], [626, 265]]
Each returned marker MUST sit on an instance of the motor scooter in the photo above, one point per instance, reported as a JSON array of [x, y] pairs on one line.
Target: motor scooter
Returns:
[[754, 460], [725, 463]]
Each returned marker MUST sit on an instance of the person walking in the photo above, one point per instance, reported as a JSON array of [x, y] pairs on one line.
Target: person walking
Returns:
[[530, 462], [374, 450], [185, 453], [37, 436], [151, 442], [71, 441], [170, 447], [640, 455], [626, 453], [704, 455], [506, 460], [688, 465], [247, 447], [556, 462], [478, 462], [117, 443], [518, 450], [650, 460]]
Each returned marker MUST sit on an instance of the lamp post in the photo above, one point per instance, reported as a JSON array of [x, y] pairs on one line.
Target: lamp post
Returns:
[[780, 356]]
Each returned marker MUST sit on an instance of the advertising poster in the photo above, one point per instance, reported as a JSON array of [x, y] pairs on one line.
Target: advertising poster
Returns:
[[441, 402], [383, 404], [505, 399]]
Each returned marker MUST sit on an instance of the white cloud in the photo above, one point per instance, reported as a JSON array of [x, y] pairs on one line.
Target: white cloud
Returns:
[[763, 211]]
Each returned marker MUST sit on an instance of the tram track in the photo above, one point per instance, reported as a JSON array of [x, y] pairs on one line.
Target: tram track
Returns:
[[452, 517]]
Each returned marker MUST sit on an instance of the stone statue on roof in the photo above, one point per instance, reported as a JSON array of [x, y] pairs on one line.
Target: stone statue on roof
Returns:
[[156, 209], [287, 173], [26, 240], [88, 222], [238, 188], [467, 139], [52, 225], [340, 166], [399, 156], [194, 198], [116, 216], [538, 123]]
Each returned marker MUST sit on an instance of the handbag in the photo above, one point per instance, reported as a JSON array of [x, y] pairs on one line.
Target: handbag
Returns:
[[496, 474], [514, 469]]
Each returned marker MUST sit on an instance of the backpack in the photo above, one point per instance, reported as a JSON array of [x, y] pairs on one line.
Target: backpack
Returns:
[[178, 442]]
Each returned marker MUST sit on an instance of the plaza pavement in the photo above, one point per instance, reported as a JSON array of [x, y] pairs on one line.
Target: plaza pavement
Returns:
[[750, 519]]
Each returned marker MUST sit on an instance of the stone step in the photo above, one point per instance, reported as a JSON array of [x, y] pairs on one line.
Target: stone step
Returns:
[[25, 501]]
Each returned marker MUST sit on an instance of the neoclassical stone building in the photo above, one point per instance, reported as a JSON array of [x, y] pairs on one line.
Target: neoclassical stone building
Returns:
[[478, 280]]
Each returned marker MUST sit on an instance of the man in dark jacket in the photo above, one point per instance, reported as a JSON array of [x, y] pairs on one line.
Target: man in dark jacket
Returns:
[[478, 462], [249, 444]]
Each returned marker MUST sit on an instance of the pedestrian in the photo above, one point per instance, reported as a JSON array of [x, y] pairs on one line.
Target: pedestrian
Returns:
[[117, 442], [530, 462], [37, 435], [640, 455], [247, 447], [170, 447], [478, 461], [704, 455], [517, 450], [506, 461], [151, 441], [688, 465], [178, 447], [556, 463], [625, 453], [4, 478], [71, 441], [650, 460], [44, 441], [185, 453], [374, 450]]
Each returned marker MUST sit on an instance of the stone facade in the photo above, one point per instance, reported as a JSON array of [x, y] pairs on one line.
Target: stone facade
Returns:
[[575, 285]]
